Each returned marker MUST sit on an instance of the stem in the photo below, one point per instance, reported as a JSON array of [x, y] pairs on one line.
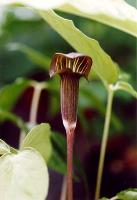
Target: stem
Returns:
[[70, 141], [33, 108], [35, 101], [63, 189], [104, 141]]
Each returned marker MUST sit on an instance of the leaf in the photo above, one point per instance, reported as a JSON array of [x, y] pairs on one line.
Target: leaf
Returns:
[[122, 85], [118, 14], [94, 95], [124, 76], [10, 93], [23, 176], [33, 55], [50, 146], [130, 194], [13, 150], [57, 160], [102, 63], [39, 139], [57, 164], [41, 4], [4, 148]]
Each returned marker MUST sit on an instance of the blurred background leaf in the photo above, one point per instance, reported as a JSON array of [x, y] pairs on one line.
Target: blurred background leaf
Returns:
[[10, 93]]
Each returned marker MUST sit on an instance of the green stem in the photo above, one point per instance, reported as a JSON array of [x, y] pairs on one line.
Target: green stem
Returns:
[[104, 141]]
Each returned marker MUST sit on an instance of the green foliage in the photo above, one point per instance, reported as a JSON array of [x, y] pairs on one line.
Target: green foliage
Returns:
[[23, 176], [104, 198], [93, 95], [10, 93], [52, 147], [108, 72], [102, 63], [5, 115], [35, 56], [125, 86], [39, 139], [117, 14], [108, 13], [57, 161], [130, 194]]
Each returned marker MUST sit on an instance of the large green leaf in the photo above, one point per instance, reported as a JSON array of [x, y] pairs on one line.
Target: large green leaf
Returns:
[[117, 14], [10, 93], [39, 139], [102, 63], [23, 176], [51, 146], [41, 4]]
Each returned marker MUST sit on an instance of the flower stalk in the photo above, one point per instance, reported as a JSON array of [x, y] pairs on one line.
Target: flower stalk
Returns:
[[104, 141], [70, 67]]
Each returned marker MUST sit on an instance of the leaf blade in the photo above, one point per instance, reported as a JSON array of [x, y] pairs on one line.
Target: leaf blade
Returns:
[[117, 14], [21, 174], [39, 139], [102, 63]]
